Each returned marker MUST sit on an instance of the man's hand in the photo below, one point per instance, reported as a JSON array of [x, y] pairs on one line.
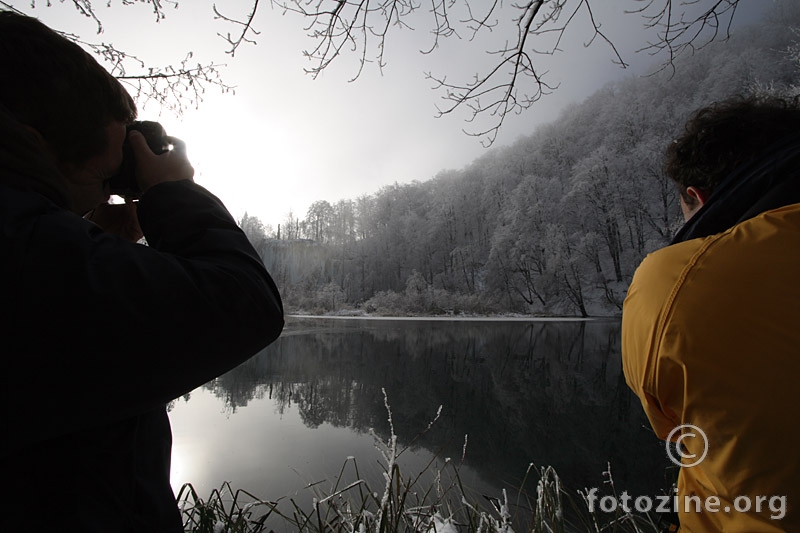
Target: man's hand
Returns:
[[119, 219], [153, 169]]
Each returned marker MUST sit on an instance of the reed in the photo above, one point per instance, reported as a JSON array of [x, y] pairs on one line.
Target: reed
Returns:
[[433, 500]]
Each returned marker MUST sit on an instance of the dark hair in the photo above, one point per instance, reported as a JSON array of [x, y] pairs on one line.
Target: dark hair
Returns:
[[52, 85], [722, 137]]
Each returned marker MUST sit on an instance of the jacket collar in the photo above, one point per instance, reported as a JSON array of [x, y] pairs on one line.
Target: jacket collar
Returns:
[[769, 182]]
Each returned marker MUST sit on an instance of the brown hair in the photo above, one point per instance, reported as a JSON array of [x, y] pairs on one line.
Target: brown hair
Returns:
[[726, 135], [52, 85]]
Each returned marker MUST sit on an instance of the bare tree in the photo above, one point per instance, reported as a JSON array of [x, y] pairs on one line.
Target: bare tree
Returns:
[[512, 83]]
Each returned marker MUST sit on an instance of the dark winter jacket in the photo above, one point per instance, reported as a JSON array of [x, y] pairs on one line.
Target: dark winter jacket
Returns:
[[97, 334]]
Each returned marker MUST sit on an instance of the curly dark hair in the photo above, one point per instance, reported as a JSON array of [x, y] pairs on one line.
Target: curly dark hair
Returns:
[[52, 85], [722, 137]]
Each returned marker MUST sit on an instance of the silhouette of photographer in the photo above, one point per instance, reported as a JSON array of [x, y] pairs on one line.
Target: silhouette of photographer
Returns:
[[99, 332]]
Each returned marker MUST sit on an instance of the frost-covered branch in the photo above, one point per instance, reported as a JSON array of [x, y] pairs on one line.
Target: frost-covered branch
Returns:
[[86, 9], [511, 83], [514, 82], [173, 87], [503, 85], [360, 26], [245, 28], [440, 10], [687, 26], [176, 87]]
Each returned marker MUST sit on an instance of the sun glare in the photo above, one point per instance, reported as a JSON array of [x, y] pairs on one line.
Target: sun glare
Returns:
[[248, 164]]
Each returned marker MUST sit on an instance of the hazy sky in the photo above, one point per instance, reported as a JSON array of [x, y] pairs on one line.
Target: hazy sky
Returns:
[[285, 140]]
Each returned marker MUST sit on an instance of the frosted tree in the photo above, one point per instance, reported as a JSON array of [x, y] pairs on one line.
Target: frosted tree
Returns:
[[255, 230], [537, 224], [331, 296], [318, 221], [519, 258], [417, 292]]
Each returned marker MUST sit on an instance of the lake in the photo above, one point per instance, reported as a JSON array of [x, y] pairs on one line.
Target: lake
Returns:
[[547, 392]]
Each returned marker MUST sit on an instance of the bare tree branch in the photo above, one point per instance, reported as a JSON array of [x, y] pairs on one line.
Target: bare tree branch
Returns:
[[337, 25], [502, 83], [85, 8], [172, 87], [512, 84], [246, 27], [597, 33], [474, 24], [157, 5], [176, 87], [509, 99], [442, 27], [9, 7], [685, 31], [360, 25]]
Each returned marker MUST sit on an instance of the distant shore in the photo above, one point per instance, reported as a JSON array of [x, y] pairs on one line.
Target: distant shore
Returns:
[[456, 318]]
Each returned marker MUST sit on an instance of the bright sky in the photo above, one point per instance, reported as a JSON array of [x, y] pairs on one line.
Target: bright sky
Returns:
[[285, 140]]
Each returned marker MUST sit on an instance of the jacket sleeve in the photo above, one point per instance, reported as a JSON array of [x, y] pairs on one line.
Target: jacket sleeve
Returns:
[[643, 315], [215, 296], [102, 329]]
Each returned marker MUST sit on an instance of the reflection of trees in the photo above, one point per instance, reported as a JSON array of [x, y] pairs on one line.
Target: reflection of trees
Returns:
[[238, 387], [549, 393], [325, 400]]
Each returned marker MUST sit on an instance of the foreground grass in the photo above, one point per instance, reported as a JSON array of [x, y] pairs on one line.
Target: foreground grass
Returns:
[[432, 500]]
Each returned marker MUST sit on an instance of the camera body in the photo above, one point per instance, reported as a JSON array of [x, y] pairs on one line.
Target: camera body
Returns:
[[123, 183]]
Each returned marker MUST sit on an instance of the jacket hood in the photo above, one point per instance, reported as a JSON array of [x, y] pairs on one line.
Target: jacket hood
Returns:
[[24, 165], [770, 182]]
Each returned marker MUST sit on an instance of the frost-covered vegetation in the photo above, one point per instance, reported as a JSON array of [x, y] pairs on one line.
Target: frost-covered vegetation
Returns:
[[554, 224], [407, 506], [431, 501]]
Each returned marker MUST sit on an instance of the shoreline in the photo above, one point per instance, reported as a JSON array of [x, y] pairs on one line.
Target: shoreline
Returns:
[[440, 318]]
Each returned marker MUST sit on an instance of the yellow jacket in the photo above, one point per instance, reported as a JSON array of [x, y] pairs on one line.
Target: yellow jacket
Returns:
[[711, 337]]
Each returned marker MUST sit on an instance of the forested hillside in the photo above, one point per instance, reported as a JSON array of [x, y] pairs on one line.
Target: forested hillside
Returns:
[[554, 224]]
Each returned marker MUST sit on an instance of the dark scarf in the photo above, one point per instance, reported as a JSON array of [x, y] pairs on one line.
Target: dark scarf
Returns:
[[769, 182]]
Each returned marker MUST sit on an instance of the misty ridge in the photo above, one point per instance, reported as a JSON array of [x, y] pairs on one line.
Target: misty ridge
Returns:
[[554, 224]]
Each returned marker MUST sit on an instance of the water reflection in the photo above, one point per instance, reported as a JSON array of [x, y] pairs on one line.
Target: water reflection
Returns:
[[551, 393]]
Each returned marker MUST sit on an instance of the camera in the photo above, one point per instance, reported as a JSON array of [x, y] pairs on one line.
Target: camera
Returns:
[[123, 183]]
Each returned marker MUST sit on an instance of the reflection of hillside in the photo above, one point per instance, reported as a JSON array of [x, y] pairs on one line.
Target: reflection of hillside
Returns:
[[549, 393]]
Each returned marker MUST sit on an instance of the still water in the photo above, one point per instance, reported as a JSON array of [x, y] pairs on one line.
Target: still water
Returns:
[[511, 393]]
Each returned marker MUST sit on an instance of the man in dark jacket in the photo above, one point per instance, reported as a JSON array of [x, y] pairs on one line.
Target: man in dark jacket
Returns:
[[97, 332]]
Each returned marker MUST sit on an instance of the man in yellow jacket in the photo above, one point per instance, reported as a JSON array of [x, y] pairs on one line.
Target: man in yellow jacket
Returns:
[[711, 323]]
